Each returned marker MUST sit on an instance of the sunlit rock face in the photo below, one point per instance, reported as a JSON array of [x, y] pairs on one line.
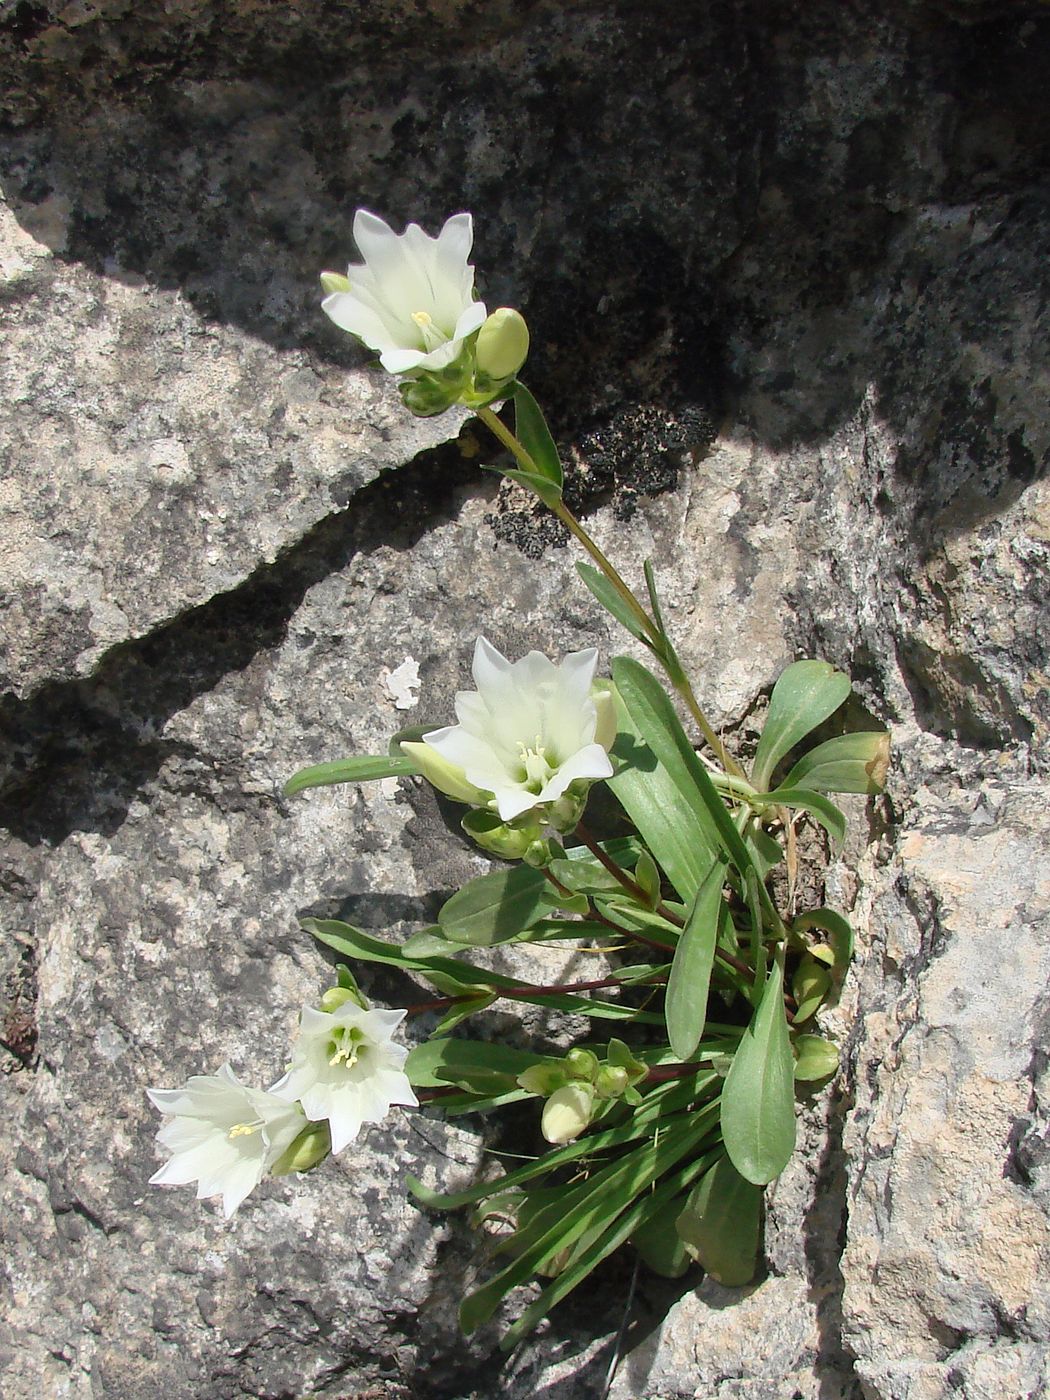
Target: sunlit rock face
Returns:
[[786, 274]]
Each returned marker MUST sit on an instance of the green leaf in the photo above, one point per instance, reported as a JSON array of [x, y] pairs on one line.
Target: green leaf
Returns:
[[815, 803], [758, 1106], [815, 1058], [540, 486], [611, 601], [532, 432], [766, 851], [496, 907], [721, 1223], [648, 878], [647, 1204], [658, 1242], [850, 763], [631, 915], [607, 1193], [838, 929], [654, 599], [810, 985], [649, 796], [659, 1103], [470, 1063], [804, 696], [349, 770], [652, 712], [460, 1010], [584, 876], [446, 972], [685, 1004]]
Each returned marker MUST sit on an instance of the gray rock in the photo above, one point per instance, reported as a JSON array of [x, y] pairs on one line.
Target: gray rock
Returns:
[[825, 234]]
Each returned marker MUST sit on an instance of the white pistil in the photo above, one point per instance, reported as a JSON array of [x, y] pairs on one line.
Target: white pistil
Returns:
[[431, 335]]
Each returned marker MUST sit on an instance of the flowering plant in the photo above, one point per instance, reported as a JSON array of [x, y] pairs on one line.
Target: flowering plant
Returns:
[[663, 1135]]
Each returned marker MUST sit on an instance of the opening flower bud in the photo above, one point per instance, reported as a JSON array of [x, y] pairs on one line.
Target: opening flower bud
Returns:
[[312, 1145], [612, 1081], [567, 1113], [582, 1064], [503, 344], [335, 997], [334, 282]]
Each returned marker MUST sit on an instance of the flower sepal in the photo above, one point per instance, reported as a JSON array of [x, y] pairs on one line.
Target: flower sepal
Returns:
[[508, 840], [565, 814]]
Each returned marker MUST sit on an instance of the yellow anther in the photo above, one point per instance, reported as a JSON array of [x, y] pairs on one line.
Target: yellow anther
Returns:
[[244, 1129]]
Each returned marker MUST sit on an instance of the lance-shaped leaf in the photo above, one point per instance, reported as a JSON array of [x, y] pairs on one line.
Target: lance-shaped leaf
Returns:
[[804, 696], [607, 1194], [654, 715], [611, 601], [456, 976], [685, 1004], [850, 763], [758, 1103], [496, 907], [664, 1100], [721, 1222], [534, 435], [603, 1242], [649, 795], [815, 803], [481, 1066], [365, 769]]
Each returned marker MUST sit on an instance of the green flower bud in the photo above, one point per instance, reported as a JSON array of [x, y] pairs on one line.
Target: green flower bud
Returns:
[[612, 1080], [582, 1064], [335, 997], [334, 282], [312, 1145], [499, 838], [542, 1079], [503, 344], [564, 814], [539, 854], [567, 1113]]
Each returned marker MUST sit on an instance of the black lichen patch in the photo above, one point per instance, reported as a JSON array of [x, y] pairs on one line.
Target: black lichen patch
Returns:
[[638, 452]]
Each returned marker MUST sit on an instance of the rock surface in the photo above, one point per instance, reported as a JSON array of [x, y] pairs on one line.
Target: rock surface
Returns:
[[786, 271]]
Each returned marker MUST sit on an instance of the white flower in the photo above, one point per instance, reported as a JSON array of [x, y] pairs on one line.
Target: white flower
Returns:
[[346, 1068], [222, 1135], [412, 300], [529, 730]]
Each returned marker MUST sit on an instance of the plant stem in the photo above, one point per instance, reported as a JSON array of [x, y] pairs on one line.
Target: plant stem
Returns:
[[622, 877]]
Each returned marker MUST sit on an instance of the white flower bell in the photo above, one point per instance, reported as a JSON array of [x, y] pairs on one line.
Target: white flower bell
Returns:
[[223, 1135], [412, 299], [346, 1068], [530, 730]]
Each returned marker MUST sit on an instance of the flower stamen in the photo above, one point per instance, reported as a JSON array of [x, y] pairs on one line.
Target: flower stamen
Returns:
[[346, 1045], [431, 335], [245, 1129]]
